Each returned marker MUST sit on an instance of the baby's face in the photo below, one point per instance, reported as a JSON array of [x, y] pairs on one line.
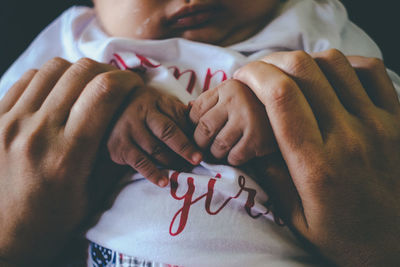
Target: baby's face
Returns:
[[220, 22]]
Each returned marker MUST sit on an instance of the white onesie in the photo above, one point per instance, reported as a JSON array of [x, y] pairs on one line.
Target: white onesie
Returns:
[[216, 215]]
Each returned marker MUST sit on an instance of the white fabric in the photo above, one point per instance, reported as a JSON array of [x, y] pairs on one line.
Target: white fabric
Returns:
[[139, 221]]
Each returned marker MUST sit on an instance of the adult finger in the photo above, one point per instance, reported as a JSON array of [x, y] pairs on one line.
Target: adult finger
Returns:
[[16, 91], [292, 120], [202, 104], [168, 132], [315, 87], [276, 181], [344, 80], [41, 85], [130, 154], [376, 81], [70, 86], [209, 125], [92, 112], [229, 135]]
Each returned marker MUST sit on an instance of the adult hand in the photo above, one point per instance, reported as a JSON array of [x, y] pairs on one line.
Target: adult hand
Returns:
[[51, 124], [340, 140]]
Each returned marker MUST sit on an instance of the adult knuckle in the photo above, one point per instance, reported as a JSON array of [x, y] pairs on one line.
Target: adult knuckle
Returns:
[[282, 92], [184, 146], [79, 139], [141, 163], [85, 64], [50, 67], [157, 150], [298, 62]]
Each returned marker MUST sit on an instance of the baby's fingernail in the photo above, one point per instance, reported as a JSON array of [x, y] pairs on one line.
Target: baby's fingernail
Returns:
[[235, 73], [197, 158], [163, 182]]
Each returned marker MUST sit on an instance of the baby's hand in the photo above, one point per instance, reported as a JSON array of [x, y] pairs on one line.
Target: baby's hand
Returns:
[[151, 130], [232, 123]]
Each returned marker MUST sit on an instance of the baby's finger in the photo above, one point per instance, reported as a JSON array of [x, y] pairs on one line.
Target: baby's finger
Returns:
[[177, 111], [226, 138], [202, 104], [130, 154], [376, 81], [209, 125], [151, 145], [16, 91], [168, 132]]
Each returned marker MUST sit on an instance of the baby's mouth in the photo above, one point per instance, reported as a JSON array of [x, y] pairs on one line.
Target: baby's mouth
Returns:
[[193, 16]]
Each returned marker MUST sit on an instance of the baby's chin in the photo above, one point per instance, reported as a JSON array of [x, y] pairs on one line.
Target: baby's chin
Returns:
[[205, 35]]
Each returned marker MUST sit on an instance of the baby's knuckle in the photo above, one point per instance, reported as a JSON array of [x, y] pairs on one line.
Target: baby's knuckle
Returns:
[[220, 144], [236, 158], [332, 57], [31, 72], [167, 130], [107, 85], [184, 147], [205, 128], [25, 145], [8, 132], [141, 163], [333, 54]]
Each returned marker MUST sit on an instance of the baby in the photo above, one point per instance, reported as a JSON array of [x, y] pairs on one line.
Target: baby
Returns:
[[186, 52]]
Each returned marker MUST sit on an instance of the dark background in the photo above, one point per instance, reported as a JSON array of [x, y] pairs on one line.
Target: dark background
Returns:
[[21, 21]]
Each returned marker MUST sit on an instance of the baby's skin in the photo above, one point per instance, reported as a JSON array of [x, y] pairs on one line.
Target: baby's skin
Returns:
[[228, 123]]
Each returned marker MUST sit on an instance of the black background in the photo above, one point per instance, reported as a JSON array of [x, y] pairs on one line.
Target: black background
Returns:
[[21, 21]]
